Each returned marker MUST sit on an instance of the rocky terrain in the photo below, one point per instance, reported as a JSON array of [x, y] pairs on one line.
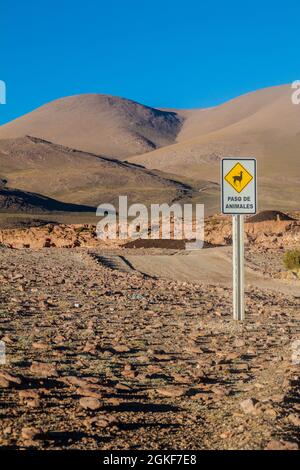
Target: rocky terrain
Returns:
[[265, 233], [100, 355]]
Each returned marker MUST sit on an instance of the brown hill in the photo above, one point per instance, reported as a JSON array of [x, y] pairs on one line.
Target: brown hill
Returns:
[[272, 216], [14, 200], [264, 124], [101, 124], [186, 144], [72, 176]]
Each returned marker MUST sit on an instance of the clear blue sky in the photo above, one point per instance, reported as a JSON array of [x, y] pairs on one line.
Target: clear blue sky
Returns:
[[164, 53]]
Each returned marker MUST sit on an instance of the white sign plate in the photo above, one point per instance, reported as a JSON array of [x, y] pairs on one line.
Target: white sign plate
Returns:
[[238, 179]]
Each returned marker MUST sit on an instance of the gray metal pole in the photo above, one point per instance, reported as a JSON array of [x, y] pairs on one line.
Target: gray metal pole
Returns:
[[238, 267]]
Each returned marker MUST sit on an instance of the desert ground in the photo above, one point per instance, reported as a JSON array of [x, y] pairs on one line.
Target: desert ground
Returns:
[[111, 347]]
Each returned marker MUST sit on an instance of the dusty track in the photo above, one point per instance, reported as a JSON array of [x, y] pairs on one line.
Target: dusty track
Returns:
[[209, 266]]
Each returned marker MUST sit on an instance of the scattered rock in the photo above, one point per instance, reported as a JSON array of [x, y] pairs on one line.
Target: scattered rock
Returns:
[[239, 343], [41, 369], [30, 433], [28, 394], [248, 406], [89, 403], [281, 445], [88, 392], [41, 346], [294, 419], [11, 379], [171, 391], [101, 421], [4, 383], [123, 387], [121, 348], [225, 434], [270, 413]]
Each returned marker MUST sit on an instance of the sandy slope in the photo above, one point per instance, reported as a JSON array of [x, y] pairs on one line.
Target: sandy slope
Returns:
[[263, 124], [39, 166], [96, 123], [203, 121]]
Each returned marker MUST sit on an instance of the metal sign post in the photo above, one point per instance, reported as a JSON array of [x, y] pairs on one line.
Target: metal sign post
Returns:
[[238, 198], [238, 267]]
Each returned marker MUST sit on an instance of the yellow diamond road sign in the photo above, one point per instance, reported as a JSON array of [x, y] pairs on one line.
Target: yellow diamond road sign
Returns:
[[238, 177], [238, 185]]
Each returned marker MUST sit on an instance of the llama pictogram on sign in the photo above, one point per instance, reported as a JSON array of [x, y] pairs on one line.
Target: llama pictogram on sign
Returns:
[[238, 177]]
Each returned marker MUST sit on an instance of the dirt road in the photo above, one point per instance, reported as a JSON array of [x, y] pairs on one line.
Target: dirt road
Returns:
[[209, 266]]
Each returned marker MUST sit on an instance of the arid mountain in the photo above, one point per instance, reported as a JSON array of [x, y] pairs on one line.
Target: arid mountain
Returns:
[[187, 145], [203, 121], [14, 200], [264, 124], [102, 124], [68, 175]]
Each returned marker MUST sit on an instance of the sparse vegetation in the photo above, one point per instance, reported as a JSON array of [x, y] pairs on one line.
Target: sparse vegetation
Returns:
[[291, 259], [83, 229], [214, 222]]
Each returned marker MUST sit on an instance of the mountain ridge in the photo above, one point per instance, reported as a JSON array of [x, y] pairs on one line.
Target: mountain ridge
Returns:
[[101, 124], [188, 144]]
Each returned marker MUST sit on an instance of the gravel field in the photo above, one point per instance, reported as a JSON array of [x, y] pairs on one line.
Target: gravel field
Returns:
[[102, 358]]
